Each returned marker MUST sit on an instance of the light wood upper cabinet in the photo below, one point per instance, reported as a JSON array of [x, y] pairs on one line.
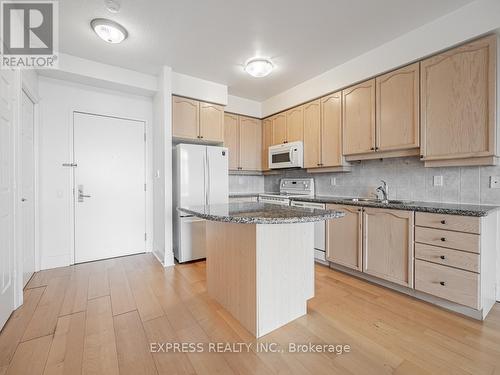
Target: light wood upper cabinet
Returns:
[[267, 140], [243, 138], [331, 130], [312, 134], [397, 123], [359, 118], [458, 105], [295, 124], [344, 244], [388, 244], [279, 128], [185, 118], [250, 144], [211, 122], [232, 139]]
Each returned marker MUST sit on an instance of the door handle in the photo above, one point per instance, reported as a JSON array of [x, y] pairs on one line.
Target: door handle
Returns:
[[23, 199], [81, 195]]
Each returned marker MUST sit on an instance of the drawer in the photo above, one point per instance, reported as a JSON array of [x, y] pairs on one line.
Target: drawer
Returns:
[[446, 238], [450, 222], [447, 257], [449, 283]]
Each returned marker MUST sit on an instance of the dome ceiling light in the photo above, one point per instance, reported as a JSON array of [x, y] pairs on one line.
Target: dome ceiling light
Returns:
[[108, 30], [259, 67]]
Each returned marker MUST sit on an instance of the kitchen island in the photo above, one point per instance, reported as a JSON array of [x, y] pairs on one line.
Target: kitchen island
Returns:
[[260, 260]]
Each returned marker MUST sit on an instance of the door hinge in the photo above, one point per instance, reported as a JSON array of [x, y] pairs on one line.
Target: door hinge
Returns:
[[144, 187], [145, 236], [144, 137]]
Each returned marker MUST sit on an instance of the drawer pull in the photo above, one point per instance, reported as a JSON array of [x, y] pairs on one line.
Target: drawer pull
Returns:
[[442, 283], [443, 257], [443, 239], [443, 221]]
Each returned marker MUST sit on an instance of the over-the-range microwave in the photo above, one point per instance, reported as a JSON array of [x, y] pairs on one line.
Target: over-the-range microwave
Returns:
[[286, 155]]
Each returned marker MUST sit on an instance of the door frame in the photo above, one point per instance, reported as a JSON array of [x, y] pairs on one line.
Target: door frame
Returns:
[[33, 97], [148, 194]]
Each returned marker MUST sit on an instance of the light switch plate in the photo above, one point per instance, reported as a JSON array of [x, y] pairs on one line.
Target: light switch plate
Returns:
[[494, 182], [438, 180]]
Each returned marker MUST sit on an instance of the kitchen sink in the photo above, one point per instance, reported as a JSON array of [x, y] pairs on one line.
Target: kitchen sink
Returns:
[[374, 200]]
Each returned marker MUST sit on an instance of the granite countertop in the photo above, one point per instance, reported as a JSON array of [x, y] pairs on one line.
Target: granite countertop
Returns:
[[432, 207], [259, 213], [243, 195]]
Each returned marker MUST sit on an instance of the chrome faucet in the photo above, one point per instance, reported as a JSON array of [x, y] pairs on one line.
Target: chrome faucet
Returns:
[[384, 189]]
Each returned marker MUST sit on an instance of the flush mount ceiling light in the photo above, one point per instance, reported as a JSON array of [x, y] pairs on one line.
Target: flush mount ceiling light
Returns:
[[108, 30], [259, 67]]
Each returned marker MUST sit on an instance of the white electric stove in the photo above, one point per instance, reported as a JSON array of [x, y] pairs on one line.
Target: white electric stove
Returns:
[[299, 187], [289, 188]]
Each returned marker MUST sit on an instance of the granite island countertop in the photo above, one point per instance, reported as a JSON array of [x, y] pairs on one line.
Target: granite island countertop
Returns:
[[431, 207], [259, 213]]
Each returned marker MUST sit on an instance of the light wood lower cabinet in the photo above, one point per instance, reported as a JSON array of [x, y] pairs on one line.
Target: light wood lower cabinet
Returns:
[[388, 244], [195, 120], [344, 237], [243, 138]]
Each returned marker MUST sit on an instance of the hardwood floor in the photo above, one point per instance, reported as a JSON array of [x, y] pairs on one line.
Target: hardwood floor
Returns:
[[100, 318]]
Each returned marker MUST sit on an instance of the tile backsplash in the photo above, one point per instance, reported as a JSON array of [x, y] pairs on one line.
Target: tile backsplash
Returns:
[[246, 184], [407, 179]]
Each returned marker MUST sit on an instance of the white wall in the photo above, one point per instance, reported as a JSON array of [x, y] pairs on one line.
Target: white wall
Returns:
[[58, 99], [88, 72], [162, 169], [468, 22], [198, 88], [242, 106]]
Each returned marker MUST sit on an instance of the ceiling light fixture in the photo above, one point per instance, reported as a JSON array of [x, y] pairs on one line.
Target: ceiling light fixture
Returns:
[[108, 30], [259, 67]]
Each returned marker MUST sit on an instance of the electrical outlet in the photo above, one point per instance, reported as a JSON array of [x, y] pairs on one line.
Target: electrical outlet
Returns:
[[438, 180], [494, 182], [333, 181]]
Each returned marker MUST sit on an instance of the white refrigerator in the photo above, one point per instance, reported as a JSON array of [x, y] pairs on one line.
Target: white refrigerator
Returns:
[[200, 177]]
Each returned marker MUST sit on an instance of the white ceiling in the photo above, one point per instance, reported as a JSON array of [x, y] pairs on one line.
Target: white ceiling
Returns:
[[211, 39]]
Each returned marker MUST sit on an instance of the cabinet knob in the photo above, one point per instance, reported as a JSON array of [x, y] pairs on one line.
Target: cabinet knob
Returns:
[[443, 257], [442, 283], [372, 148], [421, 156], [443, 221], [443, 239], [376, 148], [201, 136]]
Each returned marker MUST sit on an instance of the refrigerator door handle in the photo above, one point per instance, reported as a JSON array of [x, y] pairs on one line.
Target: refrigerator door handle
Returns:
[[209, 180]]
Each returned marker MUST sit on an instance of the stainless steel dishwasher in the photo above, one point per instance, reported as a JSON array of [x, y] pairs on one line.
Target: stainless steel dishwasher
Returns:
[[319, 231]]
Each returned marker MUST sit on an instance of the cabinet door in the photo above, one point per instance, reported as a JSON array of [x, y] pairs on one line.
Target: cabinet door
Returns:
[[331, 130], [267, 140], [185, 120], [344, 237], [295, 124], [211, 122], [250, 144], [397, 125], [459, 102], [279, 129], [232, 139], [312, 134], [388, 244], [359, 118]]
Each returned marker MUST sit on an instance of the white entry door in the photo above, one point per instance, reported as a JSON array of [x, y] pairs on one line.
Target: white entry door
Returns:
[[109, 190], [7, 97], [27, 170]]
